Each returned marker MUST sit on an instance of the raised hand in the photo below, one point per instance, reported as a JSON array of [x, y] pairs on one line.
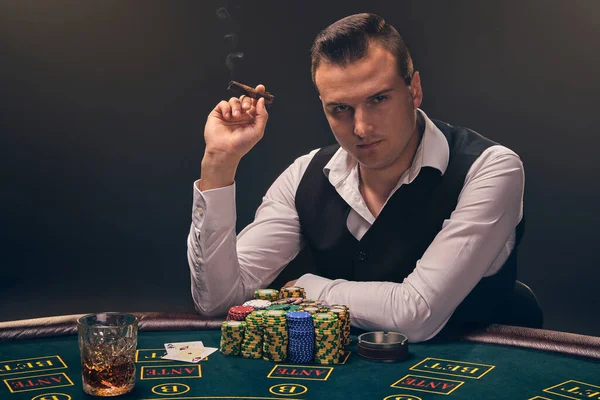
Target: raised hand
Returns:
[[233, 127]]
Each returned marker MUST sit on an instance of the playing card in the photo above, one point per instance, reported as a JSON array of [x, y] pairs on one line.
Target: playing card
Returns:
[[173, 348], [207, 352], [191, 354], [187, 355]]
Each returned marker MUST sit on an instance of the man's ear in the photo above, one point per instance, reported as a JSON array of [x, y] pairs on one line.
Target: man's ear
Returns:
[[416, 90]]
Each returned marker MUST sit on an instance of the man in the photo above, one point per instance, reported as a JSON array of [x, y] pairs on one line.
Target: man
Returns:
[[406, 220]]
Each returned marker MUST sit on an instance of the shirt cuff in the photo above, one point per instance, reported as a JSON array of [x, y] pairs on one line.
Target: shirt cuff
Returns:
[[213, 209], [313, 285]]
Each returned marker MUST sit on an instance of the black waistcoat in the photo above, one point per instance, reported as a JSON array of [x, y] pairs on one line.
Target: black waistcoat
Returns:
[[404, 229]]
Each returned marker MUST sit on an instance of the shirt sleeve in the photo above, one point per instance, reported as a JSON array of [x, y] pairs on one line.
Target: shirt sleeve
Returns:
[[226, 270], [464, 251]]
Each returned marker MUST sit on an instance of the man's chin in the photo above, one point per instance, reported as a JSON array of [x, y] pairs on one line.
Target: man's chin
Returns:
[[372, 164]]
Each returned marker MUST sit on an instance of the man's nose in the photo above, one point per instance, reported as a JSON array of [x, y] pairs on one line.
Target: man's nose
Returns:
[[362, 123]]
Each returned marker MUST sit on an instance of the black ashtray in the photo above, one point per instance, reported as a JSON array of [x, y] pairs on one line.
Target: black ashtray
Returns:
[[383, 346]]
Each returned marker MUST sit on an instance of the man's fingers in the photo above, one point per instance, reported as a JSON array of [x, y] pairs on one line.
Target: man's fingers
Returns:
[[291, 283], [224, 109], [247, 102], [236, 107]]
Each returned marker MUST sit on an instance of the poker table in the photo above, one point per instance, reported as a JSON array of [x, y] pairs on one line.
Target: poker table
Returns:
[[39, 359]]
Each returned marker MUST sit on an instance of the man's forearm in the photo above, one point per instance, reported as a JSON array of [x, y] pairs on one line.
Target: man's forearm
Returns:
[[212, 252], [474, 243], [226, 270]]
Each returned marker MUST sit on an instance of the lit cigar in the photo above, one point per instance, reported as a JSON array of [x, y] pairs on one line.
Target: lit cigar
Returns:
[[250, 92]]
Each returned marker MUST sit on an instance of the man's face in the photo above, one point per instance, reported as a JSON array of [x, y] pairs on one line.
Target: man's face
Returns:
[[370, 109]]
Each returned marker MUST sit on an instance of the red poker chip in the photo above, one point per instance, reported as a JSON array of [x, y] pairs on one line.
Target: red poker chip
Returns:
[[241, 309], [239, 313]]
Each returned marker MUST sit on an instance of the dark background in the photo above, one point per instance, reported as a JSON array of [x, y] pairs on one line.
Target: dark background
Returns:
[[103, 104]]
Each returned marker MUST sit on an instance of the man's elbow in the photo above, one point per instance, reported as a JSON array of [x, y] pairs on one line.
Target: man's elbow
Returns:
[[204, 308], [426, 330], [420, 329]]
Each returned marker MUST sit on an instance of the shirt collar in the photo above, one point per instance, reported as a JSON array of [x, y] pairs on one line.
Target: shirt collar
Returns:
[[433, 151]]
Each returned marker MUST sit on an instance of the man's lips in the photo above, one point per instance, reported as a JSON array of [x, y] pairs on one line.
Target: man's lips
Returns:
[[365, 146]]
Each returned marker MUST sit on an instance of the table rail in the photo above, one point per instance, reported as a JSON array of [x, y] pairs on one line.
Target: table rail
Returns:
[[536, 339]]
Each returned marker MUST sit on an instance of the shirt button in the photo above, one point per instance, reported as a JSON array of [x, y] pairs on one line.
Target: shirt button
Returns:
[[199, 210], [362, 255]]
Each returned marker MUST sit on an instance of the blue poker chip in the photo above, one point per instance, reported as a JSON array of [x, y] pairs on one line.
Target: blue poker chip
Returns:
[[298, 315], [303, 338], [301, 351], [299, 321], [303, 331], [300, 359], [301, 328], [303, 354]]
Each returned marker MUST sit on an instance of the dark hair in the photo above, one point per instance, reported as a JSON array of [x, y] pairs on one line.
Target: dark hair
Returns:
[[348, 39]]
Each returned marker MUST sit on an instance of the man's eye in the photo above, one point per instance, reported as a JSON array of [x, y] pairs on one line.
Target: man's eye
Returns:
[[340, 108], [379, 99]]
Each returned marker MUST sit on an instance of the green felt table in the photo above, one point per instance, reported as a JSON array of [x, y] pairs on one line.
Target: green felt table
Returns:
[[48, 367]]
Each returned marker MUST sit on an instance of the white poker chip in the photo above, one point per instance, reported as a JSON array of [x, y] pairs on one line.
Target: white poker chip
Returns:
[[258, 304], [276, 313]]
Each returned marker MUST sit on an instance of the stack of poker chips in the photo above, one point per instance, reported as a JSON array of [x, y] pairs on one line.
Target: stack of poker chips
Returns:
[[301, 337], [275, 335], [266, 294], [343, 313], [342, 316], [312, 310], [239, 313], [232, 335], [258, 304], [292, 292], [252, 346], [327, 338]]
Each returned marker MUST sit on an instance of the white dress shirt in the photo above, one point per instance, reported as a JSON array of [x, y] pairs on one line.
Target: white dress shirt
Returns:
[[473, 243]]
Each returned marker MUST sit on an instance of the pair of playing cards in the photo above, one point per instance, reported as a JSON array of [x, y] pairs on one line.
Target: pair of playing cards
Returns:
[[187, 351]]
